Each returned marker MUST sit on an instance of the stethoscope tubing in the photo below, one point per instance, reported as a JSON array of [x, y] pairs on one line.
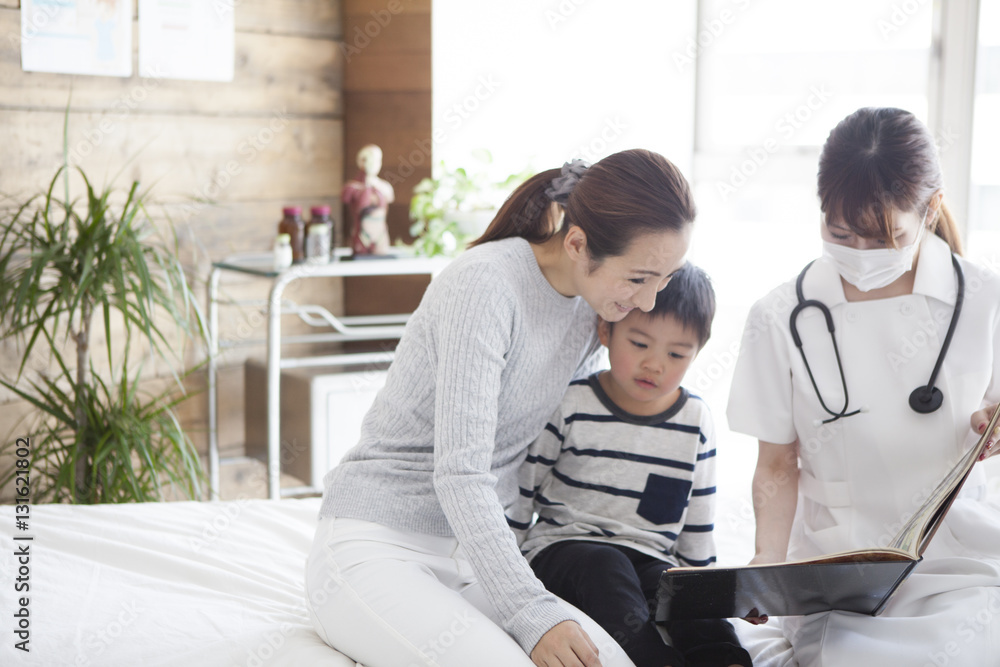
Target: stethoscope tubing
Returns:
[[917, 397]]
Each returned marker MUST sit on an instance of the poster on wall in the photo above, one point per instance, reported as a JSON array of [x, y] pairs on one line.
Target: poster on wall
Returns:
[[77, 36], [187, 39]]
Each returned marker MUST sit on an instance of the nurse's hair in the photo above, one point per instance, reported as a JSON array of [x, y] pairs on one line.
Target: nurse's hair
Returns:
[[877, 160], [619, 198]]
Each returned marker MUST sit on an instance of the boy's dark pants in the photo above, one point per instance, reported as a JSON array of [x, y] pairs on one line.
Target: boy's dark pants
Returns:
[[616, 586]]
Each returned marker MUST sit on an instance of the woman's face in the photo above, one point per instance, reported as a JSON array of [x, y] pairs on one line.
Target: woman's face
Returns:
[[619, 284], [906, 227]]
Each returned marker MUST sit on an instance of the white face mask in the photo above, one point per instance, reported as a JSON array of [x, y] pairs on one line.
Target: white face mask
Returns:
[[875, 268]]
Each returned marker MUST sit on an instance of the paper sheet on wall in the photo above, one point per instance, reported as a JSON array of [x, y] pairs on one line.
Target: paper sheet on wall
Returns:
[[77, 36], [187, 39]]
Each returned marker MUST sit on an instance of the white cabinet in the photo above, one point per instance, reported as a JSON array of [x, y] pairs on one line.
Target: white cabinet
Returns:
[[279, 365], [321, 415]]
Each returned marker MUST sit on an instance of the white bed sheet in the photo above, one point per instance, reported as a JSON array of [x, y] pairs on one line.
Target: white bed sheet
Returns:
[[191, 584]]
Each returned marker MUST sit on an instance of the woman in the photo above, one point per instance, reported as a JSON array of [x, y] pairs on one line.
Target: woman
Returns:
[[413, 561], [845, 459]]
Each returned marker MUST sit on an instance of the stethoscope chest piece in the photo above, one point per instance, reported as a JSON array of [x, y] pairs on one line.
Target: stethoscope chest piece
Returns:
[[923, 400], [926, 400]]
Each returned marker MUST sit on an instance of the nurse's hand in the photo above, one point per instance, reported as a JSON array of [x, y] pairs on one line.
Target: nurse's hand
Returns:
[[980, 420], [565, 644]]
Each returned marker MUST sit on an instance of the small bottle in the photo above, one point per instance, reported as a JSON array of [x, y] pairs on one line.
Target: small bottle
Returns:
[[318, 244], [293, 225], [282, 252], [321, 215]]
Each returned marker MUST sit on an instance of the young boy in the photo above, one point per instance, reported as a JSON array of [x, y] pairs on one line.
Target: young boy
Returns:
[[623, 482]]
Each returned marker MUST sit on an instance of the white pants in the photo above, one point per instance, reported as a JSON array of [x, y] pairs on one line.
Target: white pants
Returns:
[[392, 598]]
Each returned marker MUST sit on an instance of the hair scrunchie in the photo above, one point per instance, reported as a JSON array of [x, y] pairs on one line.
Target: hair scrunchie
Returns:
[[563, 184]]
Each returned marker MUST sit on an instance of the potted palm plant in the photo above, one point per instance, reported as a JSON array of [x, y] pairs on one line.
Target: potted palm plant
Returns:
[[74, 274]]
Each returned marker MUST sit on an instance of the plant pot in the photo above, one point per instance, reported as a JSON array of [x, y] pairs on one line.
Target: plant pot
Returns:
[[471, 223]]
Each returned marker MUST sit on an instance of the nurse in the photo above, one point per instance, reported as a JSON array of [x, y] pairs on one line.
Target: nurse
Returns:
[[846, 455]]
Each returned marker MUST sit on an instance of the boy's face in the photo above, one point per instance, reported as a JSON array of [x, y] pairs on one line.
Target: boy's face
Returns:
[[649, 356]]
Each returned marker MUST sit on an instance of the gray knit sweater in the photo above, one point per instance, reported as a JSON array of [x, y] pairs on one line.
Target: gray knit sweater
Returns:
[[483, 362]]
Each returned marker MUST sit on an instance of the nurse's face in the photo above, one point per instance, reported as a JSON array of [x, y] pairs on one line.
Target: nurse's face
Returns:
[[906, 227], [649, 356], [618, 285]]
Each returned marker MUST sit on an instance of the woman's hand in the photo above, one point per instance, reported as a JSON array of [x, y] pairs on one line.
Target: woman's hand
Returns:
[[565, 645], [980, 420]]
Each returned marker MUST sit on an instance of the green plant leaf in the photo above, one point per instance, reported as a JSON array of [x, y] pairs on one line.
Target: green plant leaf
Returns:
[[103, 439]]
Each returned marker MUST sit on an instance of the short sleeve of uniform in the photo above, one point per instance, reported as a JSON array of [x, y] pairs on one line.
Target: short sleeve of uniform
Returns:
[[760, 400]]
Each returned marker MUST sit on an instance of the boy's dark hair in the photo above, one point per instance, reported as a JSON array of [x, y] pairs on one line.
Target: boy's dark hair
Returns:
[[690, 298]]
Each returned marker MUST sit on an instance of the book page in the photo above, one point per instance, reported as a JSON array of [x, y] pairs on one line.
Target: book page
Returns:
[[916, 533]]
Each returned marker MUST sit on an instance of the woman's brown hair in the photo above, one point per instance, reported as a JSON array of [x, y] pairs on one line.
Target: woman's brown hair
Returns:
[[617, 199], [878, 160]]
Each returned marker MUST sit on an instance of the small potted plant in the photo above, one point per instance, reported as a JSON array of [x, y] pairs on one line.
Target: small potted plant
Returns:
[[455, 206]]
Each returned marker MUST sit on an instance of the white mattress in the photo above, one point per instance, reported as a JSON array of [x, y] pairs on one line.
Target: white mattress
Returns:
[[191, 584], [165, 584]]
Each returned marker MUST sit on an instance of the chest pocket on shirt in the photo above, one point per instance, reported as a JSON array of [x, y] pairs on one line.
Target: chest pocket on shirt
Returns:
[[664, 499]]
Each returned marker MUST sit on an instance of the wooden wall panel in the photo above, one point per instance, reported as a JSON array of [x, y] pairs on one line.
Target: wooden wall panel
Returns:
[[225, 158], [387, 101], [316, 18], [196, 140], [299, 74]]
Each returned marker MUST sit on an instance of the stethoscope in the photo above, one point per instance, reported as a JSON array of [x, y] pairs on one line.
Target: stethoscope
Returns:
[[923, 399]]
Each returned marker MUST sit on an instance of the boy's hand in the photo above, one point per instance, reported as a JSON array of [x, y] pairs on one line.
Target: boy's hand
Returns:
[[754, 617], [565, 645]]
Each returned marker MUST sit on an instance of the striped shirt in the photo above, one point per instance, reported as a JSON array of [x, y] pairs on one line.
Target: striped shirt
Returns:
[[599, 473]]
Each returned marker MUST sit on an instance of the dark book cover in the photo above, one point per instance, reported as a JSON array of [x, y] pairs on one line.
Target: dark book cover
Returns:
[[860, 581]]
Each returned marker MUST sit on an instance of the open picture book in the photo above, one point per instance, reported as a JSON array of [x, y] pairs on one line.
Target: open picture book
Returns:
[[860, 581]]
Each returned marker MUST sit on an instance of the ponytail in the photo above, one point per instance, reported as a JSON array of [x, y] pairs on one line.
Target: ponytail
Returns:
[[614, 201], [945, 227], [524, 213]]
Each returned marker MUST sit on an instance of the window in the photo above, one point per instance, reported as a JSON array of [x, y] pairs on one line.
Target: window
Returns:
[[539, 83], [984, 211]]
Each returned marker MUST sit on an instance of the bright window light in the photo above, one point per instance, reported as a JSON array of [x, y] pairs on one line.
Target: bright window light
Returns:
[[984, 212], [540, 83]]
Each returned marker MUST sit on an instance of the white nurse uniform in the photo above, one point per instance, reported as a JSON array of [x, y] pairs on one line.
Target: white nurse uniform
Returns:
[[862, 476]]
